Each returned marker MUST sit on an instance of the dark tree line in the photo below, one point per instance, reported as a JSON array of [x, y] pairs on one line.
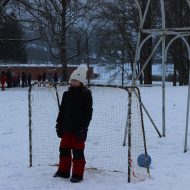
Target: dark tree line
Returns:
[[122, 24], [12, 48], [75, 29], [179, 16], [58, 22]]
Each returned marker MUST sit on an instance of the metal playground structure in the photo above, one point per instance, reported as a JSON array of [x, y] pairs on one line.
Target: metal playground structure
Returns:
[[161, 34]]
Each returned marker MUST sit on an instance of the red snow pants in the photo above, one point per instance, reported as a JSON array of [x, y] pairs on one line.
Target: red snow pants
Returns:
[[72, 154], [3, 85]]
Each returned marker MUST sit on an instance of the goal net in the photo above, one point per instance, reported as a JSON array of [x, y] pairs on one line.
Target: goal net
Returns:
[[117, 118]]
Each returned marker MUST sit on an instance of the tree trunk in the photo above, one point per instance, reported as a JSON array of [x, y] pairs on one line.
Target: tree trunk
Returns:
[[175, 76], [122, 75], [140, 65], [146, 50], [148, 73], [63, 52], [87, 57], [145, 53]]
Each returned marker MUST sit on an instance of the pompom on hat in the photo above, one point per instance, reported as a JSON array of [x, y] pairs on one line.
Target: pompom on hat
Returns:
[[79, 74]]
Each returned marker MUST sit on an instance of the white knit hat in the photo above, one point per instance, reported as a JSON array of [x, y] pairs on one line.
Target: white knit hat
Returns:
[[79, 74]]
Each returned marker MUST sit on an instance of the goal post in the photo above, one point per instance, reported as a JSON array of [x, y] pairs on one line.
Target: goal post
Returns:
[[43, 107], [136, 134], [117, 118]]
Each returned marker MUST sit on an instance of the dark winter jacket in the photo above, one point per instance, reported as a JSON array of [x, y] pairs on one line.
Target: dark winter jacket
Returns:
[[75, 111]]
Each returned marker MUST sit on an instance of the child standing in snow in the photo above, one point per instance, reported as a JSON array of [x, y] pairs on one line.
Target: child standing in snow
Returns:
[[3, 80], [72, 126]]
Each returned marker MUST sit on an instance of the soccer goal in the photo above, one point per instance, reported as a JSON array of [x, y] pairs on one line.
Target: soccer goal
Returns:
[[116, 134]]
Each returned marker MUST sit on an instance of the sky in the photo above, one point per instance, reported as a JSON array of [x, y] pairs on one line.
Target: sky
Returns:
[[170, 168]]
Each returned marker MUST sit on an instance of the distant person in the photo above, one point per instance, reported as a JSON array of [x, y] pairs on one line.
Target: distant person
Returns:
[[50, 77], [55, 78], [24, 79], [29, 78], [9, 79], [39, 79], [44, 78], [3, 80], [18, 80], [14, 80]]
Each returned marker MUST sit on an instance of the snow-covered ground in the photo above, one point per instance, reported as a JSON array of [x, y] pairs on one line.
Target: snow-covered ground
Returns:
[[170, 168], [112, 73]]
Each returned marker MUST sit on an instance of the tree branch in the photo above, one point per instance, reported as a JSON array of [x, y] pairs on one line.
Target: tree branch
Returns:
[[23, 40]]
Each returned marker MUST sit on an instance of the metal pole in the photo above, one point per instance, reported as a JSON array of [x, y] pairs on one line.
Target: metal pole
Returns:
[[129, 137], [146, 111], [139, 9], [145, 14], [136, 59], [166, 30], [138, 42], [30, 124], [137, 93], [87, 57], [187, 115], [188, 2], [57, 96], [128, 121], [163, 69], [148, 59], [163, 89]]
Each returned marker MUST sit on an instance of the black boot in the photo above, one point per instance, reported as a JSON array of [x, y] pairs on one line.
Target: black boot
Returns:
[[62, 174], [76, 179]]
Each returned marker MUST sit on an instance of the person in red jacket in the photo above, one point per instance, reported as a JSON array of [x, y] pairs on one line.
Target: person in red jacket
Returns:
[[3, 80], [72, 127]]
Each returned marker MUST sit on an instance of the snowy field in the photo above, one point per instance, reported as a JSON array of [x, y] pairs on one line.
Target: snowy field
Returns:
[[170, 168]]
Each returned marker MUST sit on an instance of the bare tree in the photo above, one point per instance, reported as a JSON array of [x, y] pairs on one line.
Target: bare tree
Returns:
[[3, 4], [179, 16], [118, 25], [54, 20]]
